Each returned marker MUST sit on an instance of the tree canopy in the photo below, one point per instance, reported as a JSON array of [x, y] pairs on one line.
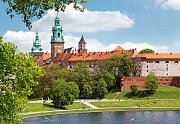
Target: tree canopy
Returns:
[[36, 8], [64, 93], [147, 50], [152, 82], [118, 65], [17, 77]]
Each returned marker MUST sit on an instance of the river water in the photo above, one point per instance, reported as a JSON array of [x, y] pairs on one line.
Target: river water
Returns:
[[128, 117]]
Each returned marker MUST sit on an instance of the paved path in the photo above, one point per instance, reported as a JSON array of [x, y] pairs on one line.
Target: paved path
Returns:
[[89, 104]]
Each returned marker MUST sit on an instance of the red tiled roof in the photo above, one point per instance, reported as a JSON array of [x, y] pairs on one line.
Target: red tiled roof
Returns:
[[160, 56], [91, 56], [46, 56], [118, 48]]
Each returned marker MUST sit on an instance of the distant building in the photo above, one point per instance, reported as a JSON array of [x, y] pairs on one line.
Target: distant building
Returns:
[[69, 57], [162, 64]]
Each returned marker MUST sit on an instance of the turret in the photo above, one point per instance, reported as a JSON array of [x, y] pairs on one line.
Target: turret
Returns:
[[57, 39], [37, 50], [82, 45]]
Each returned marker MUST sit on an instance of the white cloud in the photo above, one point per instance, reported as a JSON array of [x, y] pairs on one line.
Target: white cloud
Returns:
[[24, 42], [87, 21], [174, 4]]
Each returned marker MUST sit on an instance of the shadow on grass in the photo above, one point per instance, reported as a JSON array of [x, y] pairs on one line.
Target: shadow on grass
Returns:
[[140, 94], [52, 106]]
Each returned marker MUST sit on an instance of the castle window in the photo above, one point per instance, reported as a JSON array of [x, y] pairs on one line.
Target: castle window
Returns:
[[157, 61], [167, 61], [176, 62], [58, 34], [167, 69], [147, 66], [147, 71]]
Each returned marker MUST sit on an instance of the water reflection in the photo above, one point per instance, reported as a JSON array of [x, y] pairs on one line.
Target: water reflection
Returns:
[[130, 117]]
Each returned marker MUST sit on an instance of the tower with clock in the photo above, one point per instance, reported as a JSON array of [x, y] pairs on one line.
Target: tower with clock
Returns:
[[57, 39]]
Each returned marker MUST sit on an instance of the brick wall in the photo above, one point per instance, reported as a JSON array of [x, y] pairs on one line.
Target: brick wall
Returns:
[[126, 82]]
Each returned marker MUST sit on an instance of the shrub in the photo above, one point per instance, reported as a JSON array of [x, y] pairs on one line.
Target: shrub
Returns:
[[152, 82], [134, 89]]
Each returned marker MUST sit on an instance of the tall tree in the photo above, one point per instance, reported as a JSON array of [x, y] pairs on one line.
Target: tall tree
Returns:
[[118, 65], [36, 8], [17, 77], [51, 72], [147, 50], [64, 93], [152, 82], [81, 75], [99, 88]]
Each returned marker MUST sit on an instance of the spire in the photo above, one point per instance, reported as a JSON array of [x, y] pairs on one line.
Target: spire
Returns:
[[82, 41], [57, 31], [37, 44], [82, 45]]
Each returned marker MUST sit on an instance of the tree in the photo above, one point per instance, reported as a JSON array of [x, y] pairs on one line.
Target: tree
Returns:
[[136, 64], [147, 50], [134, 89], [109, 78], [51, 72], [81, 75], [35, 8], [17, 77], [99, 88], [118, 65], [152, 82], [64, 93]]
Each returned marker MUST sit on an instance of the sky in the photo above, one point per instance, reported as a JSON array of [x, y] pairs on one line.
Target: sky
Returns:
[[105, 24]]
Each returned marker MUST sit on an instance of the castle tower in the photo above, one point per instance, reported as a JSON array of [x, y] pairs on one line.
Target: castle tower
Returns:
[[82, 46], [37, 50], [57, 39]]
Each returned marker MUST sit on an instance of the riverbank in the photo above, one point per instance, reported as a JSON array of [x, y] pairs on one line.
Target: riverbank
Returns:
[[41, 109]]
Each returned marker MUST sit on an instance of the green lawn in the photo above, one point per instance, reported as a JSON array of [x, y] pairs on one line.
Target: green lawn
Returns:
[[36, 107], [141, 103], [167, 92]]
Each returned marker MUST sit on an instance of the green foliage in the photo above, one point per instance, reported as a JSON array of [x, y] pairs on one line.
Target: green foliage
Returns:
[[17, 77], [81, 75], [35, 8], [64, 93], [99, 89], [107, 77], [118, 65], [134, 89], [51, 73], [147, 50], [152, 82]]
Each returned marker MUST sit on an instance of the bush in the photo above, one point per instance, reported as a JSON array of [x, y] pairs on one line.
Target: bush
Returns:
[[134, 89], [152, 82]]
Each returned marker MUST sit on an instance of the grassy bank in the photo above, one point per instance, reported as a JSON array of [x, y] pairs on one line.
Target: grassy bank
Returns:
[[41, 109], [139, 103], [166, 92], [37, 107], [166, 98]]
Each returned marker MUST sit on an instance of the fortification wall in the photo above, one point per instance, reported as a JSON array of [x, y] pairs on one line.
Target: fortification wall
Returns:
[[126, 82]]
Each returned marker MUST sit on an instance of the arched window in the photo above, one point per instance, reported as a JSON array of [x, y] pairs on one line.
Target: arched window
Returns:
[[58, 34]]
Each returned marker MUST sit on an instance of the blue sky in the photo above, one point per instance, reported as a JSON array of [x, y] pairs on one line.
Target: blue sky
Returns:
[[106, 24]]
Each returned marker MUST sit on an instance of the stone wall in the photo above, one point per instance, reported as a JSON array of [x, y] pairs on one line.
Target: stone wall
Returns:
[[126, 82]]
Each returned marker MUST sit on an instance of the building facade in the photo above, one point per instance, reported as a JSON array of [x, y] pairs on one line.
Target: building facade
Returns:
[[162, 64]]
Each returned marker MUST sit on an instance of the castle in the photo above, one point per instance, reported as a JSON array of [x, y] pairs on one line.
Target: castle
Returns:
[[69, 57], [164, 65]]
